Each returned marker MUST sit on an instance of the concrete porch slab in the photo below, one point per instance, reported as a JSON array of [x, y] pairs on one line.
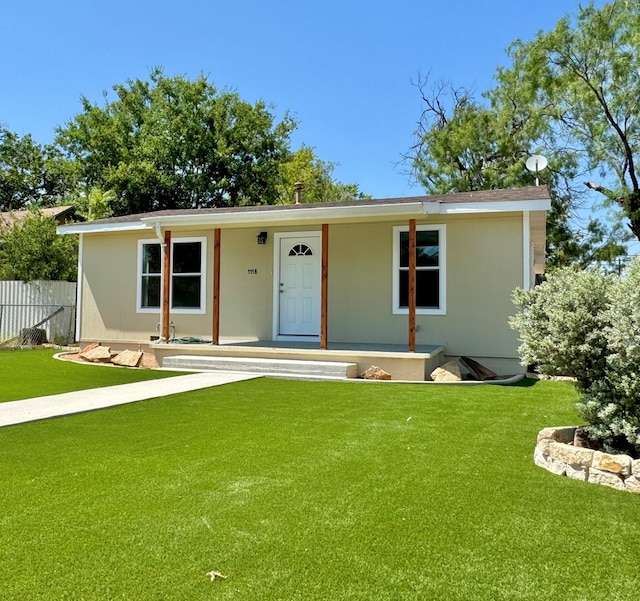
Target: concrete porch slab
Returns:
[[394, 359]]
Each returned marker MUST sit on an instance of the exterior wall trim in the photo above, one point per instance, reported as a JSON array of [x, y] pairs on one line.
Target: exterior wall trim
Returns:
[[527, 255]]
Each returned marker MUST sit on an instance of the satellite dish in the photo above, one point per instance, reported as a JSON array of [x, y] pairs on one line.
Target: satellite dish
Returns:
[[536, 163]]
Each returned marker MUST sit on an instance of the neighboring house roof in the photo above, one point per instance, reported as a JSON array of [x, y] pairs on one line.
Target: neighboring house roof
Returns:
[[61, 215], [532, 198]]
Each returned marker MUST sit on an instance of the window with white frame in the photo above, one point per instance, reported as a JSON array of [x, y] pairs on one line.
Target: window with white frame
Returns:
[[187, 289], [149, 276], [430, 269]]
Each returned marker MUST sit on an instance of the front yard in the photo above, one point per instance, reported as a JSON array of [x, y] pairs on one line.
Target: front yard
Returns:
[[310, 491], [32, 373]]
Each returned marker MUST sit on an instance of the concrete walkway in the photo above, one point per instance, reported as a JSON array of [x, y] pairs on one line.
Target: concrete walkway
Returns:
[[17, 412]]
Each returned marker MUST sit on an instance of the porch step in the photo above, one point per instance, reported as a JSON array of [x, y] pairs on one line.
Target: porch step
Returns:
[[325, 369]]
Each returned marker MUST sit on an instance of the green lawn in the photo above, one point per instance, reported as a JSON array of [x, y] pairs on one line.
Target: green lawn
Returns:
[[310, 491], [31, 373]]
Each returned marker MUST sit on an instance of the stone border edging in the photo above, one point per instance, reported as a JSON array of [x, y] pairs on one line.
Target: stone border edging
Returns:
[[556, 453]]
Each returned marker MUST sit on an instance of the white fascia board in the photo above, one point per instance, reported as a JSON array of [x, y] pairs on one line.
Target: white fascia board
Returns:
[[93, 228], [316, 214], [431, 208], [503, 206]]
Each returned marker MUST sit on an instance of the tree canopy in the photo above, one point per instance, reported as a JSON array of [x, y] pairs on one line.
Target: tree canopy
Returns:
[[315, 175], [581, 82], [569, 94], [30, 174], [171, 142], [30, 249]]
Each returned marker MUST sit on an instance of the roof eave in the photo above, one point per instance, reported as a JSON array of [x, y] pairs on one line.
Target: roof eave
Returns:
[[312, 213], [94, 228], [316, 214]]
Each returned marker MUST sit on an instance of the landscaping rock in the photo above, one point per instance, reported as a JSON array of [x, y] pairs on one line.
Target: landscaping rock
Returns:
[[632, 484], [89, 347], [97, 354], [127, 358], [449, 372], [571, 455], [545, 444], [597, 476], [556, 467], [581, 438], [561, 434], [617, 464], [540, 459], [375, 373], [586, 464], [577, 472]]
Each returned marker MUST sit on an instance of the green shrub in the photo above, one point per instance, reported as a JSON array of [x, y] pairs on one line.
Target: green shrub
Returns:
[[611, 406], [561, 324]]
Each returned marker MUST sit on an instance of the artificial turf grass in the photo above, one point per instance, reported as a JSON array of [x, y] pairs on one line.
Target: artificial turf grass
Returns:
[[32, 373], [309, 491]]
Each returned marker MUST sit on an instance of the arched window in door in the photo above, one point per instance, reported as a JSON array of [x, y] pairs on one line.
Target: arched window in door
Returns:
[[299, 250]]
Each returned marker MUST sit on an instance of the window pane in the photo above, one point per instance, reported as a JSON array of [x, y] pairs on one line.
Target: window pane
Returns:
[[186, 292], [427, 289], [427, 250], [404, 249], [150, 291], [151, 258], [186, 257]]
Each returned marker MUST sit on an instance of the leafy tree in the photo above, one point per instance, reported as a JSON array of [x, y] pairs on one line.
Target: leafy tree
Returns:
[[580, 82], [175, 143], [464, 145], [96, 204], [30, 174], [316, 178], [30, 249]]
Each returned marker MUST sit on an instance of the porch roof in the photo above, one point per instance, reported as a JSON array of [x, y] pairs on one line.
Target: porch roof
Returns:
[[532, 198]]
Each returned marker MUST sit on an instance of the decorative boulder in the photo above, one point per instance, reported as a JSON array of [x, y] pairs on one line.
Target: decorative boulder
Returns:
[[376, 373], [127, 358], [448, 372], [97, 354]]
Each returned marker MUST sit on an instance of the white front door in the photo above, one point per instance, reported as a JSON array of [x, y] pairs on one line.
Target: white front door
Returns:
[[299, 285]]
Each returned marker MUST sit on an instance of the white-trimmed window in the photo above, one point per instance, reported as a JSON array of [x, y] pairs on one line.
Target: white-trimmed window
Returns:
[[149, 276], [188, 286], [430, 269]]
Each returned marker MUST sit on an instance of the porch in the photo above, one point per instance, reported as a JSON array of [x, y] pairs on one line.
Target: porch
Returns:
[[291, 357]]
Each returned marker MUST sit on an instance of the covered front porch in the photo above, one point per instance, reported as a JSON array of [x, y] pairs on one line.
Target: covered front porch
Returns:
[[395, 359]]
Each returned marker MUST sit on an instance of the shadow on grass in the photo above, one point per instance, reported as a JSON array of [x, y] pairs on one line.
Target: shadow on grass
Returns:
[[524, 383]]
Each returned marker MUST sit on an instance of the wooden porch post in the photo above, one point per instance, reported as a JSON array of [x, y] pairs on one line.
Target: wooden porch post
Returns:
[[324, 300], [166, 286], [215, 338], [412, 285]]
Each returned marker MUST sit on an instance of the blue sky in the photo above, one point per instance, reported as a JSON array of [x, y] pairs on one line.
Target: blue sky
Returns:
[[344, 69]]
